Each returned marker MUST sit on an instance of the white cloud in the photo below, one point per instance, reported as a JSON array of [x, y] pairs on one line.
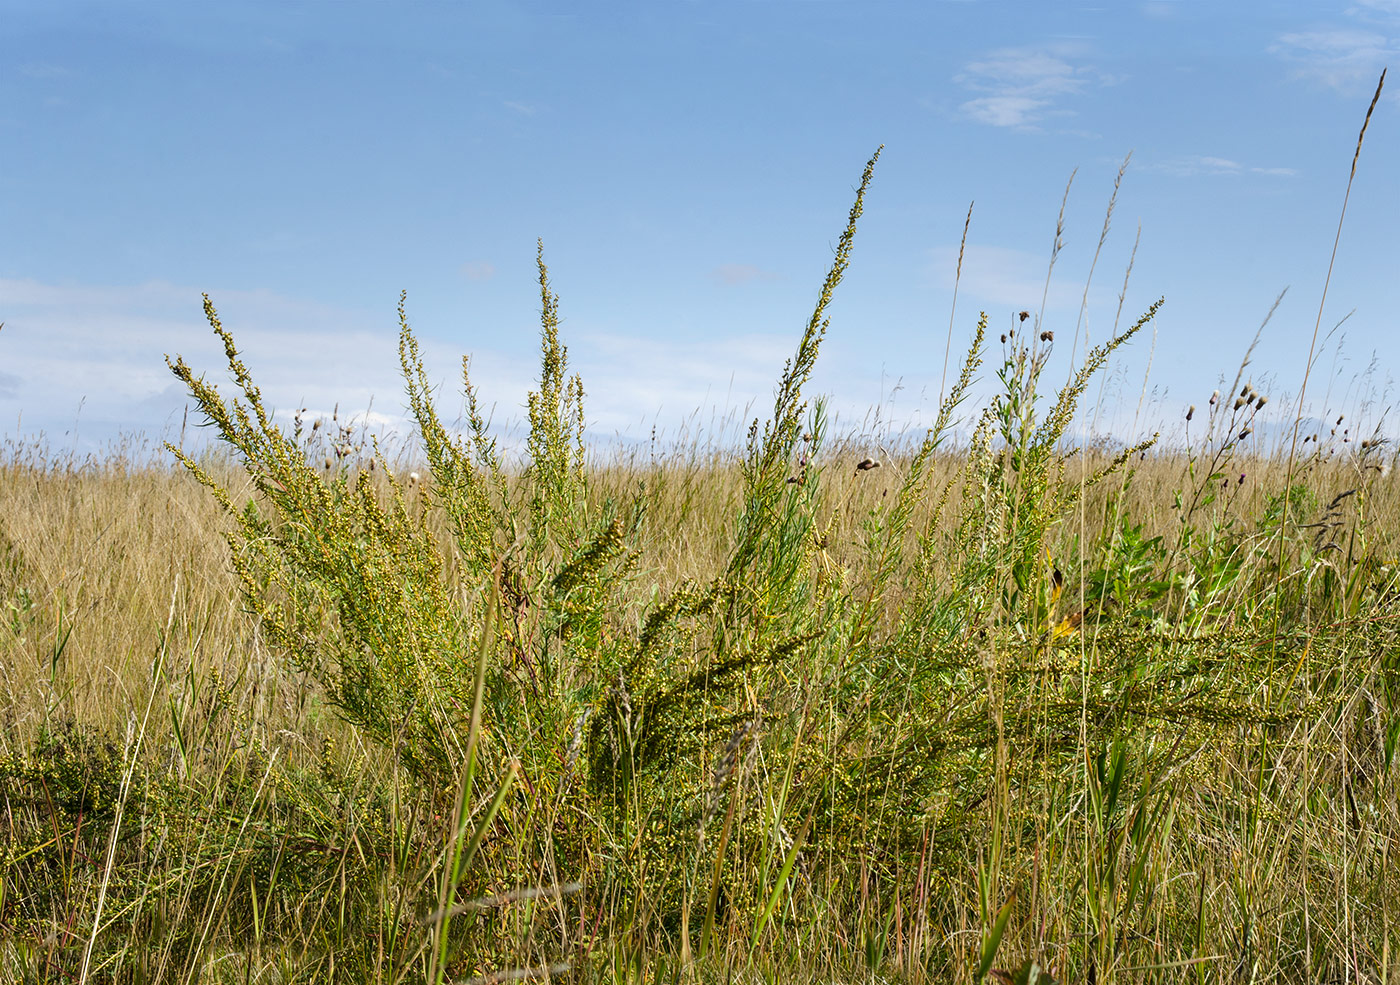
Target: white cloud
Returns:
[[1194, 165], [524, 109], [1159, 9], [1018, 87], [1001, 279], [1220, 164], [740, 273], [1004, 111], [1346, 59], [630, 380], [103, 349], [478, 270], [92, 359], [1384, 6], [42, 70]]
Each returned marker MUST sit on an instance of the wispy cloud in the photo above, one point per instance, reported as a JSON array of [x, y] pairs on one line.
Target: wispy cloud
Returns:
[[1197, 165], [42, 70], [1005, 278], [1160, 9], [1383, 6], [524, 109], [631, 380], [90, 360], [478, 270], [103, 348], [1343, 58], [741, 273], [1019, 87]]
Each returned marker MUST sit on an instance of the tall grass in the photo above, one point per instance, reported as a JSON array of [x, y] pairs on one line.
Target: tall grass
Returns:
[[1004, 708]]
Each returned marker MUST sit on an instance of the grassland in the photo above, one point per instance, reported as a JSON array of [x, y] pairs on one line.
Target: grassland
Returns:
[[998, 708]]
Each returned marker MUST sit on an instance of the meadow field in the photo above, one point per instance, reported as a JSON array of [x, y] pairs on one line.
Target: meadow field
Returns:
[[987, 704]]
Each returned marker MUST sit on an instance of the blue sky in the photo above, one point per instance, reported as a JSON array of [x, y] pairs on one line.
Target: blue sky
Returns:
[[689, 166]]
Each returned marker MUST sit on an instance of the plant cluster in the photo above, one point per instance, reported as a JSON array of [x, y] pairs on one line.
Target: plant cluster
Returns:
[[978, 709]]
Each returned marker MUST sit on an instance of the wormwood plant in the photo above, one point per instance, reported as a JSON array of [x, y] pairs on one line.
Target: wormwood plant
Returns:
[[350, 583], [346, 582]]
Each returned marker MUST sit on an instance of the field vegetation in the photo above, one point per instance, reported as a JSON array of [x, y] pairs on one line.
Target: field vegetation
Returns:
[[993, 704]]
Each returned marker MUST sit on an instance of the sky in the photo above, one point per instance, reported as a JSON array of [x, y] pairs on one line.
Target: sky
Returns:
[[688, 167]]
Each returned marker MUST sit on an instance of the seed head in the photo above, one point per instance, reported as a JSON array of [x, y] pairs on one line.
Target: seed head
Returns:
[[1190, 411], [866, 464]]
